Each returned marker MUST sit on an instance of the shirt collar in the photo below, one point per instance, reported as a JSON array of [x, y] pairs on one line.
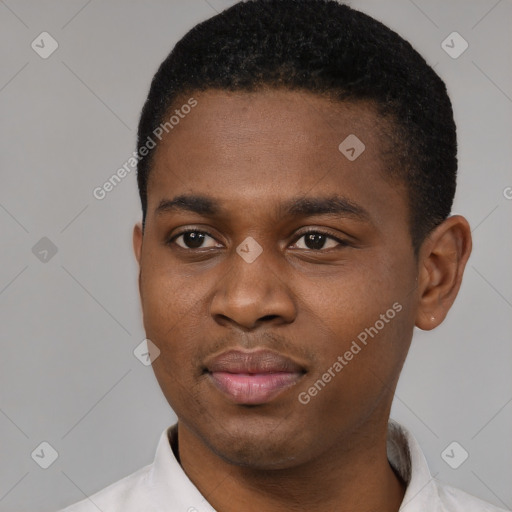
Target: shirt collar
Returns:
[[168, 480], [406, 457], [171, 484]]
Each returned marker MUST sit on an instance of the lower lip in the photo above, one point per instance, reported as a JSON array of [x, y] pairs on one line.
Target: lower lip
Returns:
[[259, 388]]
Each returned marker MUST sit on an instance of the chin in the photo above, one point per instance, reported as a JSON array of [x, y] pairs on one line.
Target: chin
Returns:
[[254, 456], [257, 446]]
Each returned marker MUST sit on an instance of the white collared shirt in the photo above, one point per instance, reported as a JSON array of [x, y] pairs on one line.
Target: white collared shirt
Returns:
[[163, 486]]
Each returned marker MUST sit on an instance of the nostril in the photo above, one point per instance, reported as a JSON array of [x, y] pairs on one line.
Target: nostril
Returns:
[[268, 317]]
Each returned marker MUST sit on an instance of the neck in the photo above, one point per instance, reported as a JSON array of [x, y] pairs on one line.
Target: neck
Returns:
[[353, 475]]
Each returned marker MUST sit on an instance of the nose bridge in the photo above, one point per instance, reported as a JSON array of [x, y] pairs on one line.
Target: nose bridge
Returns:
[[251, 273], [252, 288]]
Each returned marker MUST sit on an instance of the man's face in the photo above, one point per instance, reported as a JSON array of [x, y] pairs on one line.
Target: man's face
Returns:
[[305, 297]]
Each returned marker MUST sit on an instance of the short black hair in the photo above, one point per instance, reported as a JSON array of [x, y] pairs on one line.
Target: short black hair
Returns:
[[327, 48]]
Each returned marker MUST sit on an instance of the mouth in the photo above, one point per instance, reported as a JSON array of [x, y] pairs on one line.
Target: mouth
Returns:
[[253, 377]]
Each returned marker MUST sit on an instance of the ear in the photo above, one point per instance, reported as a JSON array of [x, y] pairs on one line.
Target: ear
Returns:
[[442, 259], [137, 248], [137, 241]]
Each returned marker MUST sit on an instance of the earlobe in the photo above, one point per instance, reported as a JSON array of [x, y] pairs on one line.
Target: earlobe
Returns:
[[442, 260]]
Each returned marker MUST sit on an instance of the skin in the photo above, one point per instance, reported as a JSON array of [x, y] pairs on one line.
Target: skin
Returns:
[[252, 152]]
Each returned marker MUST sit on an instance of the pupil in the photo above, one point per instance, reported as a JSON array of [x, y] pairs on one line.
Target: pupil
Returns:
[[193, 239], [315, 240]]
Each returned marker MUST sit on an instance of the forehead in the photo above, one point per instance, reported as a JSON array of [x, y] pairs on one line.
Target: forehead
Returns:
[[271, 120], [268, 144]]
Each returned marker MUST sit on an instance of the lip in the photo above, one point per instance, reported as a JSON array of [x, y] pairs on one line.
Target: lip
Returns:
[[253, 377]]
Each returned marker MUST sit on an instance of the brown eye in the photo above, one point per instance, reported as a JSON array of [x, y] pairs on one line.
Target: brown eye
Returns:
[[316, 241], [192, 239]]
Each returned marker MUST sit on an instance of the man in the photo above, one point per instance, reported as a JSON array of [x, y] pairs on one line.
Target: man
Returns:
[[297, 171]]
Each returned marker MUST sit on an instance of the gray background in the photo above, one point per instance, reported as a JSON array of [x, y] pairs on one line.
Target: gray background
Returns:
[[69, 325]]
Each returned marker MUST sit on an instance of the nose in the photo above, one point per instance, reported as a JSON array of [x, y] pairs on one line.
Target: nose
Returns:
[[253, 294]]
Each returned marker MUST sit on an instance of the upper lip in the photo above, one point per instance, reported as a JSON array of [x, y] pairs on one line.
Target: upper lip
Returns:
[[260, 361]]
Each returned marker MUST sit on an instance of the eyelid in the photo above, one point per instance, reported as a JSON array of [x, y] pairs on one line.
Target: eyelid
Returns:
[[297, 237], [172, 239], [321, 231]]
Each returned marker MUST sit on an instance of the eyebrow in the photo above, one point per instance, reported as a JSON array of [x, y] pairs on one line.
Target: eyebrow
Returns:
[[295, 207]]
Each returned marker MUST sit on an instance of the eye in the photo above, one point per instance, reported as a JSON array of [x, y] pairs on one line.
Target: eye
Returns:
[[315, 240], [192, 239]]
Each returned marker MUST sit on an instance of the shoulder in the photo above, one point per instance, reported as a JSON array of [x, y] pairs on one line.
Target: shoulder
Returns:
[[122, 495], [457, 500]]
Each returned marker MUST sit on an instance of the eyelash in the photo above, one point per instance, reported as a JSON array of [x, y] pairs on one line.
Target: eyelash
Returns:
[[342, 243]]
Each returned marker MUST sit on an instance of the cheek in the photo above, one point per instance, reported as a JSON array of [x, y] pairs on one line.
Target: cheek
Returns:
[[363, 315], [171, 322], [170, 300], [355, 297], [360, 348]]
